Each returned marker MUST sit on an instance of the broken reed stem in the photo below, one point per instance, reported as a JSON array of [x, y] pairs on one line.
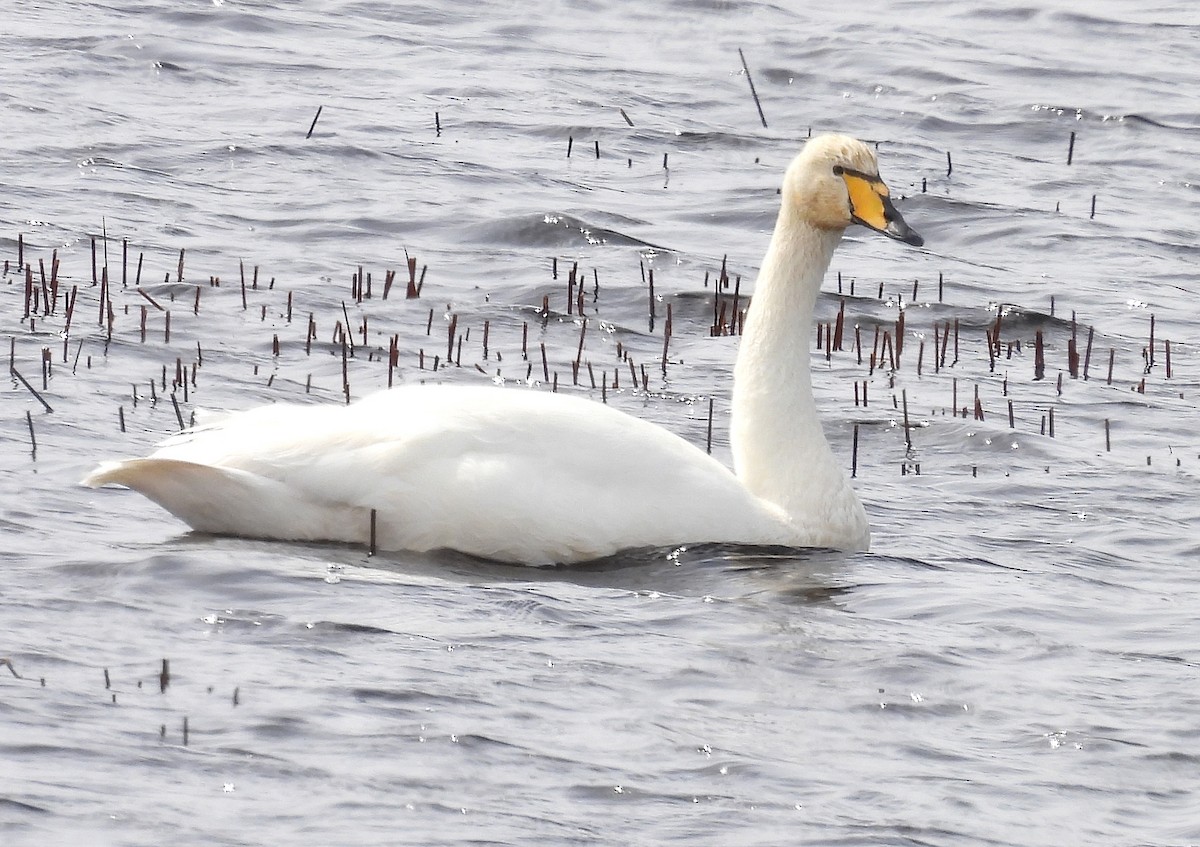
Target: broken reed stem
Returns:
[[347, 336], [346, 370], [579, 351], [907, 428], [178, 413], [667, 341], [652, 313], [753, 92], [854, 453], [45, 288], [708, 436], [102, 300], [313, 125], [12, 370], [32, 437], [371, 548]]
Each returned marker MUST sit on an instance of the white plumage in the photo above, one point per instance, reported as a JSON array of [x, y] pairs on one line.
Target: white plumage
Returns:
[[536, 477]]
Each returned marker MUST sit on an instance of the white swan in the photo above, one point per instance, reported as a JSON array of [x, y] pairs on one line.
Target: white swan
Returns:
[[537, 477]]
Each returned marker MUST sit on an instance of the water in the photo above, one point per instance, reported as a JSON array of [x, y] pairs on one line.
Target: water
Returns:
[[1015, 661]]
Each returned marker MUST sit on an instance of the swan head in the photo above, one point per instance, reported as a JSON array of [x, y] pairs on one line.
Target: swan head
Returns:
[[835, 182]]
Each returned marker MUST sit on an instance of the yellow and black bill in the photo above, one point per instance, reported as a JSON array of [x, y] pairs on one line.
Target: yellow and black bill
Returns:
[[871, 206]]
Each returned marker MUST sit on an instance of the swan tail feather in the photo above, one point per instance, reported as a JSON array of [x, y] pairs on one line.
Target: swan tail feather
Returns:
[[229, 501]]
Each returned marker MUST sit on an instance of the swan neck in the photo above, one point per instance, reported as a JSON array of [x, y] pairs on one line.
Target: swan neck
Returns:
[[779, 447]]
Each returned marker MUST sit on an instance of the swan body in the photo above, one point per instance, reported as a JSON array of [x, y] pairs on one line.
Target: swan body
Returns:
[[535, 477]]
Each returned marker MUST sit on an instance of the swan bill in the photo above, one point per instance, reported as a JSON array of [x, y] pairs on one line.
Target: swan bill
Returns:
[[871, 205]]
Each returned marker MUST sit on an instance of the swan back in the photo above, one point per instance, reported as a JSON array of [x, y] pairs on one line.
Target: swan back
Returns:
[[511, 474]]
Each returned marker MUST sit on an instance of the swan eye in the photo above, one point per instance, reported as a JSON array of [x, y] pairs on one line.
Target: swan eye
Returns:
[[875, 181]]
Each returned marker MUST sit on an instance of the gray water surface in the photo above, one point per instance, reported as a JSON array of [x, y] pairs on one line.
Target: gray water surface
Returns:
[[1015, 661]]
